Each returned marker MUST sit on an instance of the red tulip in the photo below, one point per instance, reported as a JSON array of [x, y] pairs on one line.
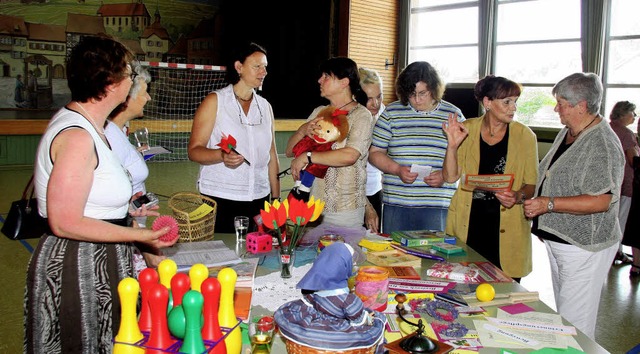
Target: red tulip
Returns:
[[299, 212]]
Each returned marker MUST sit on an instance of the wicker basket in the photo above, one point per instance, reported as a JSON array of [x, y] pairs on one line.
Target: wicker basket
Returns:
[[201, 229], [295, 348]]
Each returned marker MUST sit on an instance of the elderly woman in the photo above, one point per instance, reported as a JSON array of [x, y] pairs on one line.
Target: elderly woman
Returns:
[[623, 114], [493, 223], [408, 134], [575, 208], [71, 303], [371, 97], [129, 156]]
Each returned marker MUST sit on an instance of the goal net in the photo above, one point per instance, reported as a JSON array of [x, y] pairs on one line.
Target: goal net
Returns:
[[176, 91]]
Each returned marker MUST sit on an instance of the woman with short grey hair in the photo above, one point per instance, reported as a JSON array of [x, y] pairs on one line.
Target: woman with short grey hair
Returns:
[[575, 207], [622, 115]]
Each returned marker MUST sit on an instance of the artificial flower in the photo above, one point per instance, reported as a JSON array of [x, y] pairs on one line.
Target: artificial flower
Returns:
[[228, 143], [275, 214], [319, 207]]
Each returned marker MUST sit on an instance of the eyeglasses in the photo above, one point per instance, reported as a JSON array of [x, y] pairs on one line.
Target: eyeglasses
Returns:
[[284, 173], [133, 76], [421, 94], [251, 124]]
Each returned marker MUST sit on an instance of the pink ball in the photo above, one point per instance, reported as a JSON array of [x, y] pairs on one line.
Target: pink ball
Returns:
[[166, 220]]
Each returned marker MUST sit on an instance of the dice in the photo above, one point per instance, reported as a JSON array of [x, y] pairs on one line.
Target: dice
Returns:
[[259, 242]]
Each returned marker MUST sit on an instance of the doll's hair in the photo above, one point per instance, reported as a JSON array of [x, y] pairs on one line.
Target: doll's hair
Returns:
[[339, 119]]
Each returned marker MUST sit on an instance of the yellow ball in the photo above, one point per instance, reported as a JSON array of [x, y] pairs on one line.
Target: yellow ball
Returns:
[[485, 292]]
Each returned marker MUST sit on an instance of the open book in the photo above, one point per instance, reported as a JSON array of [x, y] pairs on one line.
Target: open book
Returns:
[[209, 253]]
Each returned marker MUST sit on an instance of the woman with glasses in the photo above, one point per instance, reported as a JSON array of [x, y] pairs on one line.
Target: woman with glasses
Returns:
[[493, 223], [71, 301], [407, 135], [575, 207], [241, 179]]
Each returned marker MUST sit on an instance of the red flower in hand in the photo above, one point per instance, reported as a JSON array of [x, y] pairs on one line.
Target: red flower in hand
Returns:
[[228, 143]]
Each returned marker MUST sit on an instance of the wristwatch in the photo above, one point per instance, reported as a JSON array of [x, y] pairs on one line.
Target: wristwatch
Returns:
[[550, 205], [309, 157]]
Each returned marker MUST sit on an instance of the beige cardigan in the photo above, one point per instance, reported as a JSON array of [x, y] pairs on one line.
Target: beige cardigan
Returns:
[[515, 229]]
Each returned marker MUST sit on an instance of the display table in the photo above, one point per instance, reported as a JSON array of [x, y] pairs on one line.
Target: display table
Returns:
[[266, 277]]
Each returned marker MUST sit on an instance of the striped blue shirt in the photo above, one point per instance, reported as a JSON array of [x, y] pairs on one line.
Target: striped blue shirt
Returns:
[[412, 137]]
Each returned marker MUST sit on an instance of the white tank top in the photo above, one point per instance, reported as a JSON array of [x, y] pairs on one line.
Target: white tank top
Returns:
[[253, 134], [111, 188]]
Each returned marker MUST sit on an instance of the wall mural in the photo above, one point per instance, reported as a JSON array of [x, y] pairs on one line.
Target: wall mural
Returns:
[[36, 35]]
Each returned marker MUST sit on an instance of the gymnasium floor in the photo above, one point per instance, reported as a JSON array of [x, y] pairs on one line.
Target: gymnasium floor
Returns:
[[618, 319]]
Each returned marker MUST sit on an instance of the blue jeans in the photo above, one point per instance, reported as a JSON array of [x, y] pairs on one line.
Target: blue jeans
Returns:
[[396, 218]]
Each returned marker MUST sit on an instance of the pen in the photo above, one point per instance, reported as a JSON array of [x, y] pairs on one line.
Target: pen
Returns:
[[448, 298], [418, 253], [236, 151]]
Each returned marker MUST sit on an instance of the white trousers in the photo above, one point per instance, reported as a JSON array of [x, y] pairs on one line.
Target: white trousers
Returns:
[[577, 277]]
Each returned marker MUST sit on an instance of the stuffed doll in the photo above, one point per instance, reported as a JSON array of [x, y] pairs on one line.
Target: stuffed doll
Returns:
[[333, 127], [329, 316]]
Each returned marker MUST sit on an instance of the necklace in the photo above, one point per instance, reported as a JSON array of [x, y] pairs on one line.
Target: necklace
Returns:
[[90, 119], [348, 103], [242, 99], [581, 130], [491, 133]]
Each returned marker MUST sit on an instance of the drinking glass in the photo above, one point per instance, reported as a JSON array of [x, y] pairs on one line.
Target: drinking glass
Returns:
[[241, 224], [142, 138], [261, 333]]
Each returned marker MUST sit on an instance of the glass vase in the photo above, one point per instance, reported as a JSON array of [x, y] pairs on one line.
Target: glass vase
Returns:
[[287, 259]]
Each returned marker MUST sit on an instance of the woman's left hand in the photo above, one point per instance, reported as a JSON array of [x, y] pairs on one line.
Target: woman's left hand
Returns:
[[507, 198], [143, 210]]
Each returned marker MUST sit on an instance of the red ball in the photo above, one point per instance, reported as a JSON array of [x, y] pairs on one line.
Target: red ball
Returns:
[[166, 220]]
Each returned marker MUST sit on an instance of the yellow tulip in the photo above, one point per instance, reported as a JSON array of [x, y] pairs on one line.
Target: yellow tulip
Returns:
[[319, 207]]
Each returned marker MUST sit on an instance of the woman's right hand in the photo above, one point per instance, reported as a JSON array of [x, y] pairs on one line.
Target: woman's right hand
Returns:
[[456, 131], [231, 159], [153, 238]]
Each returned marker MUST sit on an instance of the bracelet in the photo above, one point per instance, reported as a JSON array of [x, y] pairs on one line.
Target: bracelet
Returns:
[[451, 330]]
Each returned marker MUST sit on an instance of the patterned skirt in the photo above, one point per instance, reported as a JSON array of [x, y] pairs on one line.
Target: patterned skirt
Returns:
[[71, 302]]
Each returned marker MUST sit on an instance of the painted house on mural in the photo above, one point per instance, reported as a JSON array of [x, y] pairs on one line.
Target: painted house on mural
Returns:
[[82, 25], [155, 40], [200, 43], [121, 18], [13, 45]]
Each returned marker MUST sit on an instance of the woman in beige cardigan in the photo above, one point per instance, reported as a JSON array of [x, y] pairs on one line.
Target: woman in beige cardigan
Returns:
[[493, 223]]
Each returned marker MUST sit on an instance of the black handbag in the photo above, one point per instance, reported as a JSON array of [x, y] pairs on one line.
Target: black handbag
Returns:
[[23, 220]]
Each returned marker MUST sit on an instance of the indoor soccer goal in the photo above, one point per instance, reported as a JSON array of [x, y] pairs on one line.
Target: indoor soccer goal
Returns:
[[176, 91]]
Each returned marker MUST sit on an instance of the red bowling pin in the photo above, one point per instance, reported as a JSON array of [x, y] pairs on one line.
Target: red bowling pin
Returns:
[[159, 337], [210, 289], [147, 278]]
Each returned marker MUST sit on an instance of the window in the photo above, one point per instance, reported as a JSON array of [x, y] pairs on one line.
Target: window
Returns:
[[534, 42], [621, 76], [454, 53]]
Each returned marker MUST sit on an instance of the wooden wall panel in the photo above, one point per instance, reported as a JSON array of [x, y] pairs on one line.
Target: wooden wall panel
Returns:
[[373, 38]]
